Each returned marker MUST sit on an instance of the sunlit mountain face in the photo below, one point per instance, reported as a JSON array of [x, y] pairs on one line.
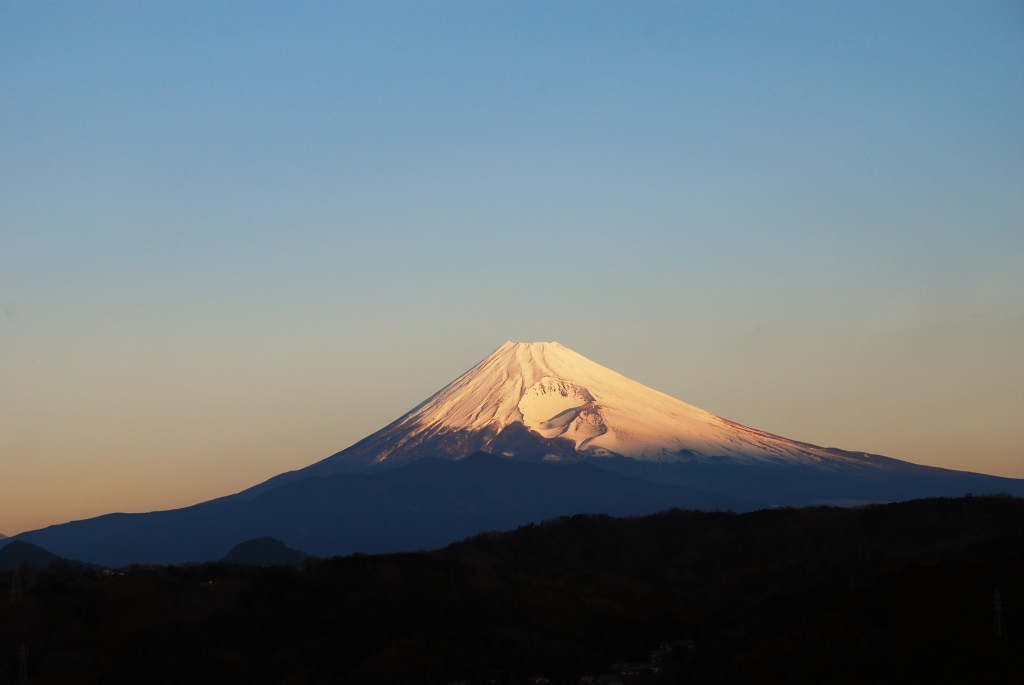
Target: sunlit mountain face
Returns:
[[542, 401]]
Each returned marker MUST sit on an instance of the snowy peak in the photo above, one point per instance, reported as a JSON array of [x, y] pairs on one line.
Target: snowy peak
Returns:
[[543, 401], [518, 382], [558, 393]]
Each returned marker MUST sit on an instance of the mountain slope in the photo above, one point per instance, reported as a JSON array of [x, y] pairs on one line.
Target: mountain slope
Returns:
[[544, 402], [425, 505]]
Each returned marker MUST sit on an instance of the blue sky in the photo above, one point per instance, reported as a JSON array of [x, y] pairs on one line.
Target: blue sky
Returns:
[[236, 237]]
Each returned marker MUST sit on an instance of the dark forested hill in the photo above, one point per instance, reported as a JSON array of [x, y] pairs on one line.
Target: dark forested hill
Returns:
[[264, 552], [895, 593]]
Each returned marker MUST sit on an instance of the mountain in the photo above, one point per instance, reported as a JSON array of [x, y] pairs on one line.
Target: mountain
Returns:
[[264, 552], [26, 553], [532, 432], [427, 504], [542, 402]]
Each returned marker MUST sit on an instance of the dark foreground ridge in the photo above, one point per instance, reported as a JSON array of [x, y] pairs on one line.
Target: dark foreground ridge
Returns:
[[891, 593]]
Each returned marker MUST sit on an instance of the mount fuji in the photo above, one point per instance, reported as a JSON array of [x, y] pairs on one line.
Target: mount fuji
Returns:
[[532, 432], [544, 402]]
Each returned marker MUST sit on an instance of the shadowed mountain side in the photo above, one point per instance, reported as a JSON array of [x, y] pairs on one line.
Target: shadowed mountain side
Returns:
[[796, 485], [517, 439], [425, 505], [852, 478]]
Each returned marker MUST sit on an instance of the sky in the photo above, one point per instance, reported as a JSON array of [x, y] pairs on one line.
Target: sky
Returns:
[[236, 237]]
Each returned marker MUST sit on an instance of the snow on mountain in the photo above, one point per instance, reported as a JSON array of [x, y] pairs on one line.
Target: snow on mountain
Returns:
[[542, 400]]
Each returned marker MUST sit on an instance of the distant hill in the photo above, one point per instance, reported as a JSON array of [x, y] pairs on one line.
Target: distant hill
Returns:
[[35, 556], [264, 552], [27, 553]]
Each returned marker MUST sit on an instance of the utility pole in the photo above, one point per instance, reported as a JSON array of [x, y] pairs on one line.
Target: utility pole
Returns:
[[23, 668], [17, 597], [998, 626]]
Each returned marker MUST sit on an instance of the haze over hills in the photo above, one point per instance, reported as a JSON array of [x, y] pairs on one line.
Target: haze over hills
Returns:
[[532, 432]]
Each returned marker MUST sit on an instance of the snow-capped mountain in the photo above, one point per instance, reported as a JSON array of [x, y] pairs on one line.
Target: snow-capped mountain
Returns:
[[464, 454], [542, 401]]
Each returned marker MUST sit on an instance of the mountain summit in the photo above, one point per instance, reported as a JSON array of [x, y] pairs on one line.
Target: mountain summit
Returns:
[[544, 402]]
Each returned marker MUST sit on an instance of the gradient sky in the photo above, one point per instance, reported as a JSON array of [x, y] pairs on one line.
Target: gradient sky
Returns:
[[235, 237]]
